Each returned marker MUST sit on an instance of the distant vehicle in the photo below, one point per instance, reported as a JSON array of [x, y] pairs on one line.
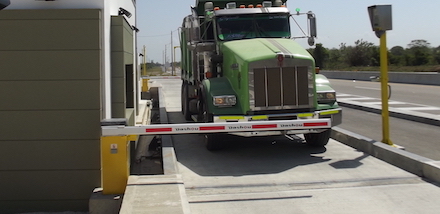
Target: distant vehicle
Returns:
[[4, 3], [239, 64]]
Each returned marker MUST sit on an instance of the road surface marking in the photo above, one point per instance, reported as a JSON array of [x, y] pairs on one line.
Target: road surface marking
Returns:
[[377, 89], [427, 108], [359, 98], [379, 103]]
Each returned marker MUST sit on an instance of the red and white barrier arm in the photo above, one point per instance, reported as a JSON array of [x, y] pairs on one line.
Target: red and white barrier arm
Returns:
[[194, 128]]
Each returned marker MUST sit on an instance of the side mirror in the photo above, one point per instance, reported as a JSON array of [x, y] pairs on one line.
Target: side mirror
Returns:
[[312, 24], [312, 28], [4, 3], [311, 41]]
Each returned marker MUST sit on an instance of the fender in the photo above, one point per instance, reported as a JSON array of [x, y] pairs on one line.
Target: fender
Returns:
[[219, 86]]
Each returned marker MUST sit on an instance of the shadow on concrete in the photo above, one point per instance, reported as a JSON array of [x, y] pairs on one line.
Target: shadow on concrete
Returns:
[[349, 164], [242, 156]]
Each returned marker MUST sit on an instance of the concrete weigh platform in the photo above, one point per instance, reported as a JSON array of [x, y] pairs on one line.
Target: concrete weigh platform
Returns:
[[395, 191]]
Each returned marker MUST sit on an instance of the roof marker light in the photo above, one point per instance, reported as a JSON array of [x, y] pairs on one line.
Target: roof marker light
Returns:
[[216, 8], [267, 4], [259, 6], [242, 6], [209, 6], [251, 6], [231, 5], [278, 3]]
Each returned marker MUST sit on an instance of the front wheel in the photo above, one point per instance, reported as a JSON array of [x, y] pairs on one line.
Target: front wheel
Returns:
[[318, 139], [204, 115]]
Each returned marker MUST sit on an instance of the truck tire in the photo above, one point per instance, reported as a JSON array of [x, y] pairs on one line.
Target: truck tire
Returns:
[[185, 102], [204, 115], [318, 139], [213, 142]]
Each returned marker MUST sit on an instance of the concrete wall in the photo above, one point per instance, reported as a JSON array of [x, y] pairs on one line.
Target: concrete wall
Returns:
[[425, 78], [109, 8], [50, 109], [122, 66]]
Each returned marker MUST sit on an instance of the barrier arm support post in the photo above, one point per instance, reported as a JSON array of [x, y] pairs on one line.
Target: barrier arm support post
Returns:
[[115, 159]]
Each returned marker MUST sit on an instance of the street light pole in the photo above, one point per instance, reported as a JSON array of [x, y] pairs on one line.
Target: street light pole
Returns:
[[165, 59], [174, 53], [172, 58]]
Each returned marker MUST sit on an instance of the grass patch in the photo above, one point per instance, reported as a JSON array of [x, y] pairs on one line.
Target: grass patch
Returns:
[[156, 71]]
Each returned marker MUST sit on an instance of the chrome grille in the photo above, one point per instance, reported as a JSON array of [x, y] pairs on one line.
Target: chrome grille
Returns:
[[280, 88]]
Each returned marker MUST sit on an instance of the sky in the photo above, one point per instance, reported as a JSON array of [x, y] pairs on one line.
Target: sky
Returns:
[[338, 21]]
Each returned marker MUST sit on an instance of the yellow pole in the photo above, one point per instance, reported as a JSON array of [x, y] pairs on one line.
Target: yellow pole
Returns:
[[384, 88], [144, 68]]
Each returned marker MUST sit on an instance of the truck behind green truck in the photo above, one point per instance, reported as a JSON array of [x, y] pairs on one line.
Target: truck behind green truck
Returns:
[[240, 64]]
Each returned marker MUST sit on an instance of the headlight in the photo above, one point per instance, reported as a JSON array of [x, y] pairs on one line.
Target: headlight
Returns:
[[226, 100], [326, 97]]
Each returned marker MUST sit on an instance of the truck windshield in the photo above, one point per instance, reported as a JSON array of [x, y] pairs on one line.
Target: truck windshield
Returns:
[[253, 26]]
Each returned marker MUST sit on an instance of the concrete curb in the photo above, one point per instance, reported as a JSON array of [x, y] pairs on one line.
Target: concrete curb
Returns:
[[169, 159], [410, 162], [158, 193], [168, 156], [416, 164]]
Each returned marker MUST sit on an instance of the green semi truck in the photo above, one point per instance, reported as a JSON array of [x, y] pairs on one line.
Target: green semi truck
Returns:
[[240, 64]]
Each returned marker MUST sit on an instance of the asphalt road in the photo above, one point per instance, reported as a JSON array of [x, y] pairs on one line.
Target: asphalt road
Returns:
[[409, 93], [418, 138]]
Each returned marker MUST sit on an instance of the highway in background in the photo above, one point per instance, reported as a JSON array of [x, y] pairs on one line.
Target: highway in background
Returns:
[[428, 95], [418, 138]]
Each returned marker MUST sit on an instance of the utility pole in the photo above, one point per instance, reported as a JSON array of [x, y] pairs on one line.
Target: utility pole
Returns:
[[172, 57], [174, 51], [164, 60], [144, 68]]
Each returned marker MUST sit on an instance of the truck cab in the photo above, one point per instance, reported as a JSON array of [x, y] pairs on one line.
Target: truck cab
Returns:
[[240, 65]]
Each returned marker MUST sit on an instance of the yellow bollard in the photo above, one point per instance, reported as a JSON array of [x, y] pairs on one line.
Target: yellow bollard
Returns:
[[115, 157], [132, 137], [145, 85]]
